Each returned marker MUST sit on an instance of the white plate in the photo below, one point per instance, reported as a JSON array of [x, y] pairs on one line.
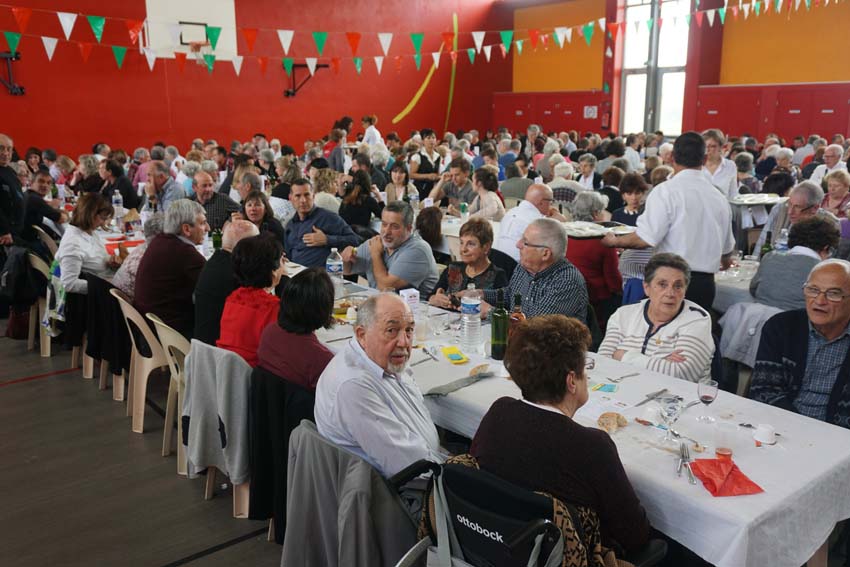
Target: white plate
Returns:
[[624, 229], [584, 229]]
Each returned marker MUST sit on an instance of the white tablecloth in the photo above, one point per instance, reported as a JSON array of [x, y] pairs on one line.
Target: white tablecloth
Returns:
[[730, 291]]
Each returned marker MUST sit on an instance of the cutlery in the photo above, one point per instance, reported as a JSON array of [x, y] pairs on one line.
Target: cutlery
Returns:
[[681, 459], [678, 435], [421, 361], [623, 377], [338, 339], [652, 396], [690, 405], [751, 426], [691, 478]]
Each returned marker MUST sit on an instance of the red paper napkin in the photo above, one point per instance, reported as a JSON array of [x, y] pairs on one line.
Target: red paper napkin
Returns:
[[722, 477]]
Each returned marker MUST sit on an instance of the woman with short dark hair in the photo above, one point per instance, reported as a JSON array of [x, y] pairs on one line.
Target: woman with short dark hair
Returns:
[[400, 185], [358, 203], [429, 227], [81, 248], [535, 442], [113, 178], [258, 265], [257, 209]]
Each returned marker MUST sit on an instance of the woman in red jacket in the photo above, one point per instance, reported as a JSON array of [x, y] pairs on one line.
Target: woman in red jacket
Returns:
[[258, 265]]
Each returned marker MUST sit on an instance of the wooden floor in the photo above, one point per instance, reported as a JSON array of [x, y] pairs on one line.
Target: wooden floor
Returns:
[[79, 488]]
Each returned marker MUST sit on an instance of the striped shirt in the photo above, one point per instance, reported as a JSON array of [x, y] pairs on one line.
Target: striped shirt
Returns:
[[823, 363], [630, 329]]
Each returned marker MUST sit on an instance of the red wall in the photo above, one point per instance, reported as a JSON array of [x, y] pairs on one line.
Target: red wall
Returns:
[[70, 105], [788, 110], [554, 111]]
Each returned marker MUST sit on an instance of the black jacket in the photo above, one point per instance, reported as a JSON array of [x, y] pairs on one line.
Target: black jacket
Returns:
[[125, 188], [11, 203], [215, 283]]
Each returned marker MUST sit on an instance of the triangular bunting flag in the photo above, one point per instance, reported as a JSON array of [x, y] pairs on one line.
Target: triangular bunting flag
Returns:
[[569, 35], [561, 34], [67, 21], [478, 39], [416, 40], [353, 42], [213, 33], [556, 39], [379, 63], [587, 30], [13, 39], [335, 65], [688, 20], [174, 32], [534, 37], [453, 55], [237, 64], [209, 59], [757, 8], [264, 63], [779, 5], [649, 23], [22, 16], [134, 28], [285, 37], [746, 11], [608, 52], [471, 53], [436, 57], [601, 23], [518, 45], [150, 56], [735, 12], [797, 4], [613, 28], [699, 18], [85, 50], [637, 26], [119, 52], [606, 88], [722, 13], [808, 4], [659, 22], [710, 15], [49, 46], [97, 23], [385, 38], [503, 50], [358, 64], [448, 40], [487, 49], [287, 65], [507, 36], [417, 59], [250, 35], [311, 64], [180, 56], [320, 37]]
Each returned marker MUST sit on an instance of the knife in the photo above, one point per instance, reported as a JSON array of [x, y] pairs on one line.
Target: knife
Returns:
[[652, 396], [681, 459]]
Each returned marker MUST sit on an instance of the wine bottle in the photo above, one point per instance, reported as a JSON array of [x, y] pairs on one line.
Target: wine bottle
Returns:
[[517, 316], [499, 328]]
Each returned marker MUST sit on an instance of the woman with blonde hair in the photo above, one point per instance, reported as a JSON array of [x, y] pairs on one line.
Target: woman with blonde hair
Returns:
[[325, 186], [372, 136]]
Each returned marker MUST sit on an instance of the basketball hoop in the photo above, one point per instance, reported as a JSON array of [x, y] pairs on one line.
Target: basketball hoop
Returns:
[[198, 49]]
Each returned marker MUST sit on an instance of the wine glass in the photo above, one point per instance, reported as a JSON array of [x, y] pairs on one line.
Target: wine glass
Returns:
[[671, 409], [707, 391]]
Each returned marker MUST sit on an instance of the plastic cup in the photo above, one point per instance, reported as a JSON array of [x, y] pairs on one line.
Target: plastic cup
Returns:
[[724, 438]]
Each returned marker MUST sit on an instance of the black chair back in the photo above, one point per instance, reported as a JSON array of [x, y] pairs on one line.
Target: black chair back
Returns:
[[504, 261]]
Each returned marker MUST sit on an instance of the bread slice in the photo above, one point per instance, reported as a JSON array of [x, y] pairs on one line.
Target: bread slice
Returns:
[[611, 421]]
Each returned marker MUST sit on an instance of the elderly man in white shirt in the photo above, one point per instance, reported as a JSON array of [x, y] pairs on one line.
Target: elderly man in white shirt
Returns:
[[366, 399], [537, 205], [805, 151], [689, 217], [831, 162]]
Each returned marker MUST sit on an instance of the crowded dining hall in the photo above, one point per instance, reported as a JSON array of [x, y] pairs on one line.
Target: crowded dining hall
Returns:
[[484, 283]]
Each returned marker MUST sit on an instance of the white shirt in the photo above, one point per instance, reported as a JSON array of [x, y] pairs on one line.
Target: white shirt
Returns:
[[587, 182], [634, 158], [725, 178], [805, 251], [689, 217], [513, 225], [802, 153], [372, 136], [79, 252], [822, 171], [376, 415]]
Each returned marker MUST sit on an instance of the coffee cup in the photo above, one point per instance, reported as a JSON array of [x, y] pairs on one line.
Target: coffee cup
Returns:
[[765, 434]]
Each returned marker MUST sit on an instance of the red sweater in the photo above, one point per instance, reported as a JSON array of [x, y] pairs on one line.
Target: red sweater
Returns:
[[246, 313], [599, 266], [300, 359]]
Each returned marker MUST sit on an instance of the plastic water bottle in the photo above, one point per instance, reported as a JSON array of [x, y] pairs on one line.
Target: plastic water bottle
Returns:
[[60, 194], [334, 266], [470, 320], [414, 203], [782, 241], [118, 205]]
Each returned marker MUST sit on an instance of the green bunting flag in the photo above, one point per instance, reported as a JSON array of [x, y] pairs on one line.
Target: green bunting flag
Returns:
[[358, 64], [688, 20], [213, 33], [96, 23], [587, 31], [722, 12], [287, 65], [507, 37], [556, 39], [808, 4], [320, 37], [606, 88], [778, 5], [417, 38], [209, 58], [757, 6], [13, 39], [518, 44], [471, 53], [119, 52], [417, 58], [649, 23]]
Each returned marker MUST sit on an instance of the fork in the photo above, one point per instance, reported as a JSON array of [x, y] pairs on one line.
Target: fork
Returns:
[[619, 379], [687, 463]]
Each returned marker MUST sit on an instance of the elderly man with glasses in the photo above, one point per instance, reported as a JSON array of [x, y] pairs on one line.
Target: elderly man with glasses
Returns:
[[803, 361], [831, 162], [803, 202]]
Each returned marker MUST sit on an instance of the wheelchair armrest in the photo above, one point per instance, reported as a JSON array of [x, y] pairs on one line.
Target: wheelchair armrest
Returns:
[[532, 530], [412, 471], [652, 553]]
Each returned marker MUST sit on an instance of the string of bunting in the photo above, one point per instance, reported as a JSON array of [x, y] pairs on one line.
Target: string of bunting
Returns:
[[559, 36]]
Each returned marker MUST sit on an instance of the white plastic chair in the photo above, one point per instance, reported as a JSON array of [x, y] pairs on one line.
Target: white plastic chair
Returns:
[[46, 240], [37, 310]]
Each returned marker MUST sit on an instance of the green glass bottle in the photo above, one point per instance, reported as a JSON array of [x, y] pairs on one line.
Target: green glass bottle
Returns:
[[499, 328], [216, 239]]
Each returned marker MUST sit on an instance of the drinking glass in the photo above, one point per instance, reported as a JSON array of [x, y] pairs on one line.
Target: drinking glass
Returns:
[[707, 391], [671, 409]]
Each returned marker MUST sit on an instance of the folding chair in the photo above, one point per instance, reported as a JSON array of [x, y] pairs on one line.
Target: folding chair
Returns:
[[37, 310], [45, 239]]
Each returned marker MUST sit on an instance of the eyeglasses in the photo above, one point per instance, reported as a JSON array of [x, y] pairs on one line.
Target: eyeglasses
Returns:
[[589, 363], [800, 208], [525, 243], [834, 295]]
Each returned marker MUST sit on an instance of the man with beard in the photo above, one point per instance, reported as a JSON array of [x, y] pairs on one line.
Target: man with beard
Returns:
[[366, 399]]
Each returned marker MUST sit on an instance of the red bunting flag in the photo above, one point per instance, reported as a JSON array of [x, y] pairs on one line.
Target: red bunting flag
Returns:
[[503, 50], [534, 36], [658, 23], [454, 56], [448, 39], [397, 59], [699, 18], [181, 60], [335, 65], [353, 41], [263, 61], [134, 28], [85, 50], [735, 12], [613, 28], [250, 35], [22, 16]]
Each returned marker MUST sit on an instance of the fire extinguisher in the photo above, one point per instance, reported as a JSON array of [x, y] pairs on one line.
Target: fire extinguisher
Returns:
[[606, 119]]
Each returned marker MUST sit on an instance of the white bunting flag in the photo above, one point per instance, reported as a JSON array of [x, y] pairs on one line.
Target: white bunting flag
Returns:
[[779, 6], [237, 64], [150, 56], [710, 14], [601, 22], [487, 49], [569, 35], [285, 37], [379, 63], [67, 20], [174, 32], [49, 46], [637, 26], [797, 4], [311, 64], [478, 38], [608, 53], [746, 11], [386, 39], [436, 56], [561, 34]]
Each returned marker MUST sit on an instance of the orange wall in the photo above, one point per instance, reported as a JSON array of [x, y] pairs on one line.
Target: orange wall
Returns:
[[795, 47], [576, 67]]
